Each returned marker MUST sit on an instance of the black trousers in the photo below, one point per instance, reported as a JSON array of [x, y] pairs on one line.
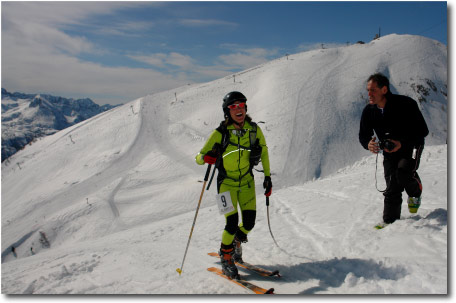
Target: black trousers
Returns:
[[248, 221], [400, 174]]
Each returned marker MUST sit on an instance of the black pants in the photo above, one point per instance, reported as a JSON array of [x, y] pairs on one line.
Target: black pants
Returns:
[[400, 173], [248, 222]]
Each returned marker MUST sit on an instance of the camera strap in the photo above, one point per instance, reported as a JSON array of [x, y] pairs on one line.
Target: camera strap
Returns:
[[376, 186]]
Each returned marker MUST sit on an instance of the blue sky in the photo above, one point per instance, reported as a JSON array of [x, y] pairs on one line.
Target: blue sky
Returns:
[[114, 52]]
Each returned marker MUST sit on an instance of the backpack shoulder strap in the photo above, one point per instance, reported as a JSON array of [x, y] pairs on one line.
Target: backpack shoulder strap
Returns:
[[225, 135], [255, 148], [253, 133], [223, 130]]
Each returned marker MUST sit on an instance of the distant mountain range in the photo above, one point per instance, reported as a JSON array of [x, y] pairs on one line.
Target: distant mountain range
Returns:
[[26, 117]]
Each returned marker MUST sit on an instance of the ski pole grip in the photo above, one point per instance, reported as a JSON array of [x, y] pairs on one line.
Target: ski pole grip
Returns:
[[206, 177], [267, 201]]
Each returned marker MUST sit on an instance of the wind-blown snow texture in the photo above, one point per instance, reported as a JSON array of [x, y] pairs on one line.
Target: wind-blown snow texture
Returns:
[[115, 195]]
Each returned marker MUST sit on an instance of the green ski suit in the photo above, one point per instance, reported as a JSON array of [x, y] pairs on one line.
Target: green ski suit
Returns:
[[239, 180]]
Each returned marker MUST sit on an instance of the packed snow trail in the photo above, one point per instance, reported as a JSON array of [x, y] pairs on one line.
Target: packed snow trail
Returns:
[[358, 259]]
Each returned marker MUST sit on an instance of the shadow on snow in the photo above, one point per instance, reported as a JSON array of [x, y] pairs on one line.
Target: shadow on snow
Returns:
[[333, 273]]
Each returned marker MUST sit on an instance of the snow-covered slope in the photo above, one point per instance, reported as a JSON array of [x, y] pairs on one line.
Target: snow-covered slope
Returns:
[[115, 195], [27, 117]]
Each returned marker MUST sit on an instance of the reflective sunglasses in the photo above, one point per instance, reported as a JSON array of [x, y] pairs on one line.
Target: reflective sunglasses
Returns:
[[240, 105]]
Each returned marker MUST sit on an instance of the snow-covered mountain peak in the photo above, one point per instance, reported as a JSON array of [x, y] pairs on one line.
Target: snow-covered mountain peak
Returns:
[[27, 117]]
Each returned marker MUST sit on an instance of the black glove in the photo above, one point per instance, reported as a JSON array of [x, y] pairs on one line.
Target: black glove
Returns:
[[267, 184]]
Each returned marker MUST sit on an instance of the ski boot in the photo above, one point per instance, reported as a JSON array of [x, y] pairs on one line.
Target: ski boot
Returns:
[[239, 238], [381, 225], [229, 269], [413, 204]]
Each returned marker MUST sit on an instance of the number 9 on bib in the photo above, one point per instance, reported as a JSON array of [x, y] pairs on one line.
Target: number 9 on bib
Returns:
[[224, 203]]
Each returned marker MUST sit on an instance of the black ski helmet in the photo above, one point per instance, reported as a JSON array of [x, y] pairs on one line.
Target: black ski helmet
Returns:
[[230, 98]]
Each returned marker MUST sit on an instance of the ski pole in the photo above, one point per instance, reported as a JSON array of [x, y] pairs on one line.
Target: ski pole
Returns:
[[206, 177], [210, 181], [216, 148], [269, 223]]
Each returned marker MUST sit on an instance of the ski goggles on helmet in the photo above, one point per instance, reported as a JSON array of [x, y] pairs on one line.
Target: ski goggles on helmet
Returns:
[[239, 105]]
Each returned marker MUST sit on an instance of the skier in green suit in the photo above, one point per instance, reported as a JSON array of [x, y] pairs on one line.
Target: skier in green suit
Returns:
[[235, 147]]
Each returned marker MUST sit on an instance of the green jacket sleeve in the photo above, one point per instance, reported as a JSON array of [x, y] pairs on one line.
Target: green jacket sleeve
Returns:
[[264, 152], [215, 137]]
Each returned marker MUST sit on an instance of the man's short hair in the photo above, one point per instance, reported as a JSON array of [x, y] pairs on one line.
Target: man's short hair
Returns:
[[381, 80]]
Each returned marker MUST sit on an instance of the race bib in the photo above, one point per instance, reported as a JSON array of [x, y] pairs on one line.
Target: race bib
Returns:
[[224, 203]]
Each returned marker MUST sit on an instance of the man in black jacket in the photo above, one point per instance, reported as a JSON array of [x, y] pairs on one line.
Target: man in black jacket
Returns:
[[401, 129]]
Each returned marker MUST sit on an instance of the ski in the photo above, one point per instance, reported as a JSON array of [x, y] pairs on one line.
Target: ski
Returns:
[[247, 285], [261, 271]]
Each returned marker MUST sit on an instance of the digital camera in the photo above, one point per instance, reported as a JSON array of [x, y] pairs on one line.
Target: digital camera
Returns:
[[386, 144]]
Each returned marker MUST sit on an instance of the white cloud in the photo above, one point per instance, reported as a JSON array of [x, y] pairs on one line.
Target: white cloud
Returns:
[[57, 13], [161, 60], [38, 56], [158, 59], [206, 23], [180, 60], [247, 58], [45, 39], [128, 28], [226, 64], [65, 74]]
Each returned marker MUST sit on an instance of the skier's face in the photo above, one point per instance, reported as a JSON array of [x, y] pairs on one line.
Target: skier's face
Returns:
[[376, 94], [238, 113]]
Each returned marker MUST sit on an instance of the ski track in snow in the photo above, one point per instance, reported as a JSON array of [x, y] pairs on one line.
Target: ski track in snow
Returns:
[[301, 230]]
